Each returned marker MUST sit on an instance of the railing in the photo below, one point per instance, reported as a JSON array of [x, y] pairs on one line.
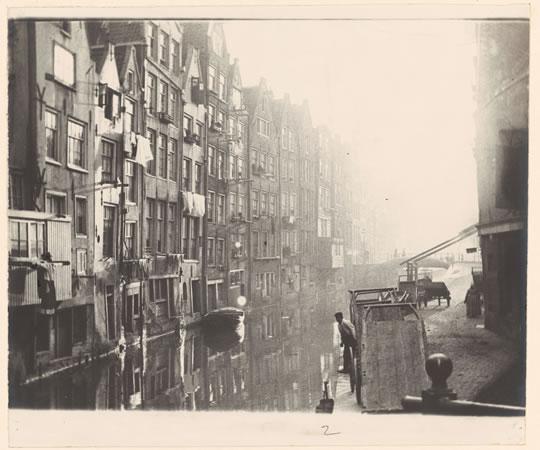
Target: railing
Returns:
[[166, 117], [165, 264], [440, 399]]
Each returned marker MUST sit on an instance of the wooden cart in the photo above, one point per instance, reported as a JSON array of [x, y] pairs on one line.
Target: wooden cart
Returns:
[[390, 353]]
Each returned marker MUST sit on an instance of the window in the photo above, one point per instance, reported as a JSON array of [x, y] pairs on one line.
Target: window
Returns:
[[211, 114], [220, 252], [232, 203], [151, 165], [195, 229], [211, 252], [171, 229], [272, 210], [149, 229], [130, 115], [161, 205], [16, 191], [255, 203], [76, 144], [291, 170], [162, 156], [264, 203], [291, 141], [254, 157], [284, 203], [132, 312], [199, 132], [172, 158], [108, 231], [221, 118], [173, 103], [211, 160], [264, 244], [212, 78], [231, 126], [112, 104], [164, 49], [211, 205], [236, 98], [188, 125], [107, 162], [51, 134], [176, 56], [263, 127], [152, 40], [221, 91], [26, 238], [198, 178], [232, 167], [185, 235], [190, 237], [186, 175], [151, 94], [130, 239], [131, 181], [81, 215], [64, 65], [221, 209], [262, 163], [241, 205], [221, 165], [55, 203], [284, 137], [163, 97], [240, 168], [270, 165], [293, 203]]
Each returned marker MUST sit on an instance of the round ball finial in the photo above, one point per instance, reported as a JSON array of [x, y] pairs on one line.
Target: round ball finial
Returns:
[[439, 367]]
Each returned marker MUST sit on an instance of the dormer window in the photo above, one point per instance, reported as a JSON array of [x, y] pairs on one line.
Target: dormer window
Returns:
[[112, 104]]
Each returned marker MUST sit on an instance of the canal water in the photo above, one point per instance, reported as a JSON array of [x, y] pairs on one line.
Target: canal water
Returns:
[[197, 369]]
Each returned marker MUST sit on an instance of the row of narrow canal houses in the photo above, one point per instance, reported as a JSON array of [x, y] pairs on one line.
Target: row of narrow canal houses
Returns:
[[148, 187]]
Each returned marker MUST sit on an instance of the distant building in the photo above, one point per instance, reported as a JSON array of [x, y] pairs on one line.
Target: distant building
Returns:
[[265, 252], [501, 153]]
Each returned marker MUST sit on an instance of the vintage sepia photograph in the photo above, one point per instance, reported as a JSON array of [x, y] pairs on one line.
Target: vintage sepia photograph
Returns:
[[297, 214]]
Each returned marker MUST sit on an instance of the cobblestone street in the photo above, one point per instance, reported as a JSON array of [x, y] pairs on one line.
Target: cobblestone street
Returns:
[[479, 356]]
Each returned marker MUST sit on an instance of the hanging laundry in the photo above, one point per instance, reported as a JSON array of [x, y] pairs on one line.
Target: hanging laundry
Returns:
[[198, 205], [188, 202], [130, 144], [143, 152]]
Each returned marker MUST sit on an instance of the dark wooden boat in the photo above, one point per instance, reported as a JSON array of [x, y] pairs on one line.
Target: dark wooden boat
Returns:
[[223, 328]]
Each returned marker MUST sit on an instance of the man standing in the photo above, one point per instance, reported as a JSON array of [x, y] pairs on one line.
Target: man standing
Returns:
[[348, 341]]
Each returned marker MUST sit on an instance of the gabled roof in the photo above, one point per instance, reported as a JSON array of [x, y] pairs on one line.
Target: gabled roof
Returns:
[[106, 67], [191, 58], [253, 94]]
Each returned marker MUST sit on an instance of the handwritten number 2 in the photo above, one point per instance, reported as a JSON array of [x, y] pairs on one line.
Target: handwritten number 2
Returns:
[[326, 433]]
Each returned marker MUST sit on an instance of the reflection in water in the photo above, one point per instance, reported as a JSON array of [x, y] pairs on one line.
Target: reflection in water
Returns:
[[202, 367]]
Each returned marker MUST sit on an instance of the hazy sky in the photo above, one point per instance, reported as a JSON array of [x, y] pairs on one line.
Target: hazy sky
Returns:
[[400, 92]]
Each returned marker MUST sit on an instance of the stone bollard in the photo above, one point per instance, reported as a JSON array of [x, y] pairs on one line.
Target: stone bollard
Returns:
[[440, 399], [439, 368]]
